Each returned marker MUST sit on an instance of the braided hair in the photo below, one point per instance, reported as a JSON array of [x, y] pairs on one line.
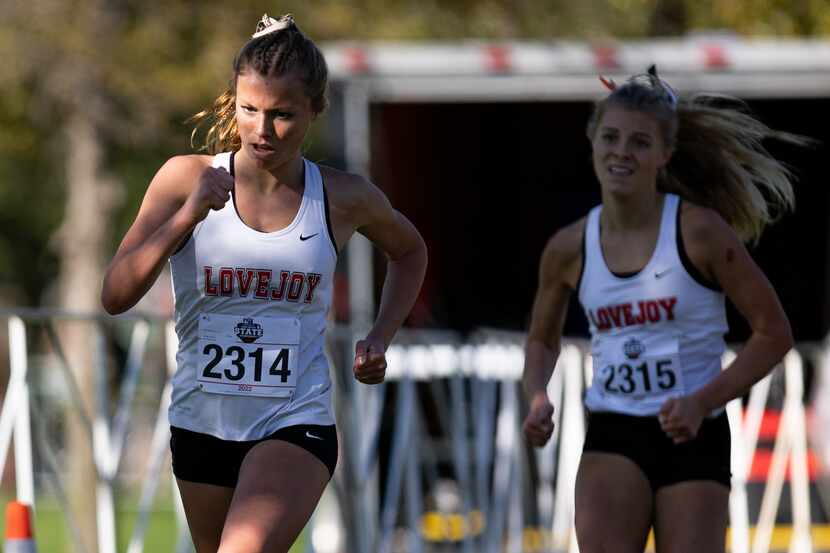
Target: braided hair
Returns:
[[277, 48]]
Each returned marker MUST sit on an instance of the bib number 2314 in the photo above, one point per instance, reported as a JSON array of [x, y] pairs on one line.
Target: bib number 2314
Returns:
[[239, 357], [252, 356]]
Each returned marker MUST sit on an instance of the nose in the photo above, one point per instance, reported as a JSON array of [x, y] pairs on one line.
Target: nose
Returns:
[[621, 149], [264, 126]]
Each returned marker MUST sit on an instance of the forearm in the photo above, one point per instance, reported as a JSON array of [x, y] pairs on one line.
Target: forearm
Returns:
[[540, 361], [755, 360], [133, 272], [404, 277]]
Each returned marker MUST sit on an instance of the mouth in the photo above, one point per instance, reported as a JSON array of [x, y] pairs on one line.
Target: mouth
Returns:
[[263, 148], [620, 170]]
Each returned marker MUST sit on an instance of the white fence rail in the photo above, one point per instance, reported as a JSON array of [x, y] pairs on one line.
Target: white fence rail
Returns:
[[433, 460]]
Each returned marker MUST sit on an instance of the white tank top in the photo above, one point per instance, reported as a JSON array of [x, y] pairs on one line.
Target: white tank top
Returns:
[[250, 312], [654, 335]]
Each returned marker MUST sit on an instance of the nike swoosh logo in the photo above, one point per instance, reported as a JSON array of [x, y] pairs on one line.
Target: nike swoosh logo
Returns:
[[310, 435], [661, 274], [304, 238]]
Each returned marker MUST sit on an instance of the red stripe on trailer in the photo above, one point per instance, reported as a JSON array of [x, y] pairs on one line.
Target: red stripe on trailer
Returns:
[[769, 425], [605, 56], [356, 59], [497, 59], [714, 57], [770, 421], [762, 461]]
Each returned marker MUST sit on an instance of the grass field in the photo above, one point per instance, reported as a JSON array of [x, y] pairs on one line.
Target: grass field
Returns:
[[52, 534]]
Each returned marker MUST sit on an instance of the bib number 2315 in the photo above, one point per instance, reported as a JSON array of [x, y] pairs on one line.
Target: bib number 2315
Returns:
[[646, 377]]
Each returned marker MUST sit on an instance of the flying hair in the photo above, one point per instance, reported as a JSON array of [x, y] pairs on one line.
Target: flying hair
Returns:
[[719, 158]]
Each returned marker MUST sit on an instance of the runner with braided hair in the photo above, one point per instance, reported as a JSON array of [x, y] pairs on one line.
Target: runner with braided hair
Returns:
[[252, 233]]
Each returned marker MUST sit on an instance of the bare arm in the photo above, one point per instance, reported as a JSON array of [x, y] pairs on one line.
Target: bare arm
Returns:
[[359, 205], [179, 196], [715, 248], [754, 297], [406, 253], [558, 273]]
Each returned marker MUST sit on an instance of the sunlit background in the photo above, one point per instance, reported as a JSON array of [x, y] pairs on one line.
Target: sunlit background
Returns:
[[470, 115]]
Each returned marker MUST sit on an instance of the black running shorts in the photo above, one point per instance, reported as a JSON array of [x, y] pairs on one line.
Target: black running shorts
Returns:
[[191, 449], [663, 462]]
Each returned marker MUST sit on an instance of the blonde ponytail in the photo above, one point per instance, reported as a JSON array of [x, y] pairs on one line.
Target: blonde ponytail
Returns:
[[221, 134], [720, 162]]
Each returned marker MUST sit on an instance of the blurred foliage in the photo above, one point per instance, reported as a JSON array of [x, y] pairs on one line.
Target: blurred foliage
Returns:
[[152, 64]]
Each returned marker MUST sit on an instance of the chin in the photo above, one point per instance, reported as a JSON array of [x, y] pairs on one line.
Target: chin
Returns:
[[620, 186]]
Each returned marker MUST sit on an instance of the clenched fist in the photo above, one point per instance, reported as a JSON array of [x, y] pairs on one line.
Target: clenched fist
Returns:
[[212, 192], [681, 417], [369, 361], [538, 425]]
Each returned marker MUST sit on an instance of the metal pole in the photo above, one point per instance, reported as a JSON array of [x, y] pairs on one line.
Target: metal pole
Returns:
[[24, 470], [572, 437], [14, 393], [800, 484], [361, 295], [102, 451], [397, 462], [458, 410], [504, 470], [357, 127], [158, 453], [135, 357]]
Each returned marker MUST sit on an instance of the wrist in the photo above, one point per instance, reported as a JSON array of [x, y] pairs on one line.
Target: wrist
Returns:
[[187, 216], [375, 336], [704, 402]]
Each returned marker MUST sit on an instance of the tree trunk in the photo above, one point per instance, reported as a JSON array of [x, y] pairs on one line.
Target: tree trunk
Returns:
[[82, 241]]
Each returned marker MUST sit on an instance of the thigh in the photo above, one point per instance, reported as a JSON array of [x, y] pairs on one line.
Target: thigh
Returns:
[[205, 506], [279, 486], [691, 516], [613, 504]]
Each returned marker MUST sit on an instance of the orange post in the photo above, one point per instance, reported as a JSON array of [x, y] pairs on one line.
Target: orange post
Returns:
[[20, 536]]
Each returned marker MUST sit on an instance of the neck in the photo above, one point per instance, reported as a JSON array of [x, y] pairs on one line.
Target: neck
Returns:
[[632, 212], [287, 173]]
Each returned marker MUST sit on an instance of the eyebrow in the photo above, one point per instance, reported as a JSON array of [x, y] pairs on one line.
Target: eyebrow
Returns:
[[635, 133], [282, 108]]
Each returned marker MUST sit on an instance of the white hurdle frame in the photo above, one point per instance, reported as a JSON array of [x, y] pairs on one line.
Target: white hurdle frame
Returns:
[[107, 433], [492, 365]]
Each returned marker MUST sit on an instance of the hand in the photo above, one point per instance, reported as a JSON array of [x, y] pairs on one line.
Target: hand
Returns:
[[369, 361], [681, 417], [212, 192], [538, 425]]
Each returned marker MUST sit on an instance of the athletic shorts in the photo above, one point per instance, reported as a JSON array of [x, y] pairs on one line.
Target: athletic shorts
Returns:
[[663, 462], [210, 460]]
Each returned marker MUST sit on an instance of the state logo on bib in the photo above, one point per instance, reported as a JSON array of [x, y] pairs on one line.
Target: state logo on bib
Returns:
[[637, 367], [249, 356]]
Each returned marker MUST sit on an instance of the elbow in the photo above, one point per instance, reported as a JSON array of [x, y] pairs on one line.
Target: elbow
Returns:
[[110, 301], [414, 259], [110, 305], [785, 337], [423, 254]]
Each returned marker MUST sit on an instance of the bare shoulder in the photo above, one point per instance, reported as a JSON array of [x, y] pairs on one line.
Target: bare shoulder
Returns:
[[704, 228], [354, 201], [346, 190], [179, 174], [562, 256]]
